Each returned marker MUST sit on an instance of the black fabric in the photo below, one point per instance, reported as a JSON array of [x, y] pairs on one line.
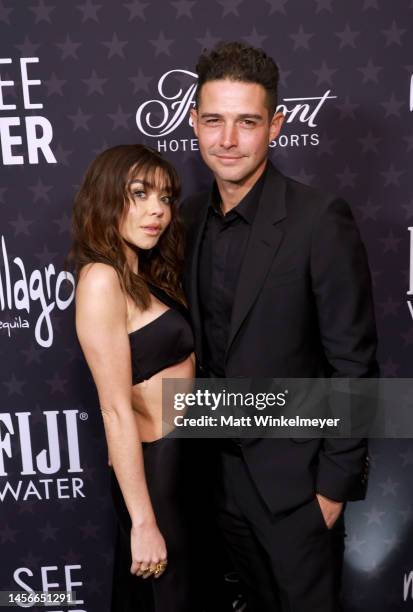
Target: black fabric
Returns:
[[223, 246], [292, 563], [302, 308], [164, 462], [163, 342]]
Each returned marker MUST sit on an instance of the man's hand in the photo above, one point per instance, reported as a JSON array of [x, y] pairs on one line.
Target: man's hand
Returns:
[[330, 509]]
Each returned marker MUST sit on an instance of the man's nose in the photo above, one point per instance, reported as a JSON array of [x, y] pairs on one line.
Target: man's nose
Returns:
[[229, 136]]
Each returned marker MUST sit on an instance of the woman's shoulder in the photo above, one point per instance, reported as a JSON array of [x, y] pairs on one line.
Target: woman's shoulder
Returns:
[[98, 278]]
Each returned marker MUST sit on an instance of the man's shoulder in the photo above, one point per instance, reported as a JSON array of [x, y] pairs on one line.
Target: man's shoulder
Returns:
[[308, 200], [308, 195]]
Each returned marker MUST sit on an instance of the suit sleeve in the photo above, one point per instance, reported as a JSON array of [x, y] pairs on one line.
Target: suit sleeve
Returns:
[[342, 288]]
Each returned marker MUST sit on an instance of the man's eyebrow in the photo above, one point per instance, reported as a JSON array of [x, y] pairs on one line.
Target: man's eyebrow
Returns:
[[203, 115], [250, 116], [241, 116]]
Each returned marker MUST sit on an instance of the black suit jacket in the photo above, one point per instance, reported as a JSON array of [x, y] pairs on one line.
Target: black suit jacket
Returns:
[[303, 308]]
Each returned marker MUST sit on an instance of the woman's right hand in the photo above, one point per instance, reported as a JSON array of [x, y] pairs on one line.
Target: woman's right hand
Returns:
[[148, 549]]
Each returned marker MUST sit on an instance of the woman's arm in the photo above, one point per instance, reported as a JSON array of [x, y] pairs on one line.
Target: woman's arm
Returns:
[[101, 316]]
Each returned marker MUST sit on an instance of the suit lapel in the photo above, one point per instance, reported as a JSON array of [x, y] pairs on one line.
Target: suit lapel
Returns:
[[263, 244]]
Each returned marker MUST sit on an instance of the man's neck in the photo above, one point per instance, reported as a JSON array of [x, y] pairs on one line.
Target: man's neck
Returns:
[[232, 193]]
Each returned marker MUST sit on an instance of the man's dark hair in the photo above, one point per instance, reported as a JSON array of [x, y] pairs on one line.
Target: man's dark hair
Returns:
[[237, 61]]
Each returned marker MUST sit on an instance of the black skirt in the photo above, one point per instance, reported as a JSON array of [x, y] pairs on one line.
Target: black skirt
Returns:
[[165, 469]]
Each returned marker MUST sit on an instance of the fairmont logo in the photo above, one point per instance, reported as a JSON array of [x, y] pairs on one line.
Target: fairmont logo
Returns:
[[19, 290], [162, 116]]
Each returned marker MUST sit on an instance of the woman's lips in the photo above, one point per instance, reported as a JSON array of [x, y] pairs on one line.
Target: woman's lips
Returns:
[[152, 230]]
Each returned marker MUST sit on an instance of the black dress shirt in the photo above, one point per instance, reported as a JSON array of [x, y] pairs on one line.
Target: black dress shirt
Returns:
[[222, 249]]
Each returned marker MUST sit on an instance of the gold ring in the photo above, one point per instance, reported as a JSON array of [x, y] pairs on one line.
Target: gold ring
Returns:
[[160, 567]]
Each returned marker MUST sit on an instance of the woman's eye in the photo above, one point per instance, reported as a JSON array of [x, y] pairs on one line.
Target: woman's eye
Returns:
[[139, 193], [167, 199]]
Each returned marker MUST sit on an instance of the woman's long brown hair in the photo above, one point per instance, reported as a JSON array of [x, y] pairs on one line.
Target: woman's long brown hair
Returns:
[[102, 200]]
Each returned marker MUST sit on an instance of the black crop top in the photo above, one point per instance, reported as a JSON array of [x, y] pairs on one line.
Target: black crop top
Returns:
[[163, 342]]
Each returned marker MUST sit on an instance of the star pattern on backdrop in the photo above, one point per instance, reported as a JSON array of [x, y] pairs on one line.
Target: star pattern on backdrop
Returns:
[[14, 386], [323, 5], [347, 109], [392, 106], [301, 39], [392, 176], [5, 12], [89, 11], [369, 142], [119, 118], [41, 191], [162, 44], [230, 7], [370, 72], [347, 37], [21, 225], [42, 12], [80, 120], [115, 46], [94, 84], [208, 41], [394, 34], [98, 64], [324, 74], [28, 48], [277, 6], [140, 82], [255, 39], [54, 85], [69, 48], [183, 8], [136, 9]]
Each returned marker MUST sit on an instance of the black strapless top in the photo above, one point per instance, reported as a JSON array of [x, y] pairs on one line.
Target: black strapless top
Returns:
[[163, 342]]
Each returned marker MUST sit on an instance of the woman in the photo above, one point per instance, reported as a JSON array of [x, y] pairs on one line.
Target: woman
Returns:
[[131, 323]]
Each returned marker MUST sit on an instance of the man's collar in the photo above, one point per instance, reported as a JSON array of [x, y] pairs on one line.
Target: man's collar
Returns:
[[247, 207]]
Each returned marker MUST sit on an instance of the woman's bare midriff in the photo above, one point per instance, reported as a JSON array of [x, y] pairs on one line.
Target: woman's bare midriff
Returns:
[[153, 421]]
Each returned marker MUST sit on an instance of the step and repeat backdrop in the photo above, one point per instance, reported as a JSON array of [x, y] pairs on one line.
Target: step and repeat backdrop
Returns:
[[77, 77]]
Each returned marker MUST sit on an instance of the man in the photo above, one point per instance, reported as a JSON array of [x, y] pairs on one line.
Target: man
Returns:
[[278, 285]]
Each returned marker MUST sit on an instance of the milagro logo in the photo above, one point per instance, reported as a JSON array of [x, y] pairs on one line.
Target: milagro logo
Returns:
[[19, 453], [19, 290], [162, 116]]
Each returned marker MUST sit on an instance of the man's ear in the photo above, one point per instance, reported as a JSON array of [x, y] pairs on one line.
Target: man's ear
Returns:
[[194, 117], [276, 125]]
